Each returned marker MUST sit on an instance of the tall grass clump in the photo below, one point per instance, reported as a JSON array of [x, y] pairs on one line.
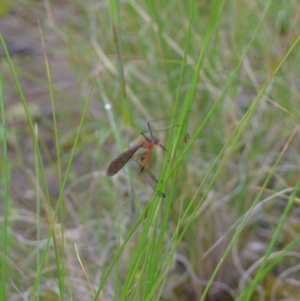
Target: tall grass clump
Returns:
[[221, 223]]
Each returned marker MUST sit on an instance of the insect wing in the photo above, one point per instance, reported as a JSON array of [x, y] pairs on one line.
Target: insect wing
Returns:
[[121, 160]]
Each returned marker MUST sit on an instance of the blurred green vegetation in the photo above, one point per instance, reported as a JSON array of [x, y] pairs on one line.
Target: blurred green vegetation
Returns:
[[4, 7]]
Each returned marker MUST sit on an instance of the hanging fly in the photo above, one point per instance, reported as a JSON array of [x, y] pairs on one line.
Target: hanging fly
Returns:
[[148, 143]]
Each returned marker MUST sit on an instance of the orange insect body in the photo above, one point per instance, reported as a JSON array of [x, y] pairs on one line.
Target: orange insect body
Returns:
[[121, 160]]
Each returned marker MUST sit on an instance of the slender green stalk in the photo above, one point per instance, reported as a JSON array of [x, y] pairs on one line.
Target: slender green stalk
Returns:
[[61, 263], [5, 183], [38, 214], [117, 34]]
